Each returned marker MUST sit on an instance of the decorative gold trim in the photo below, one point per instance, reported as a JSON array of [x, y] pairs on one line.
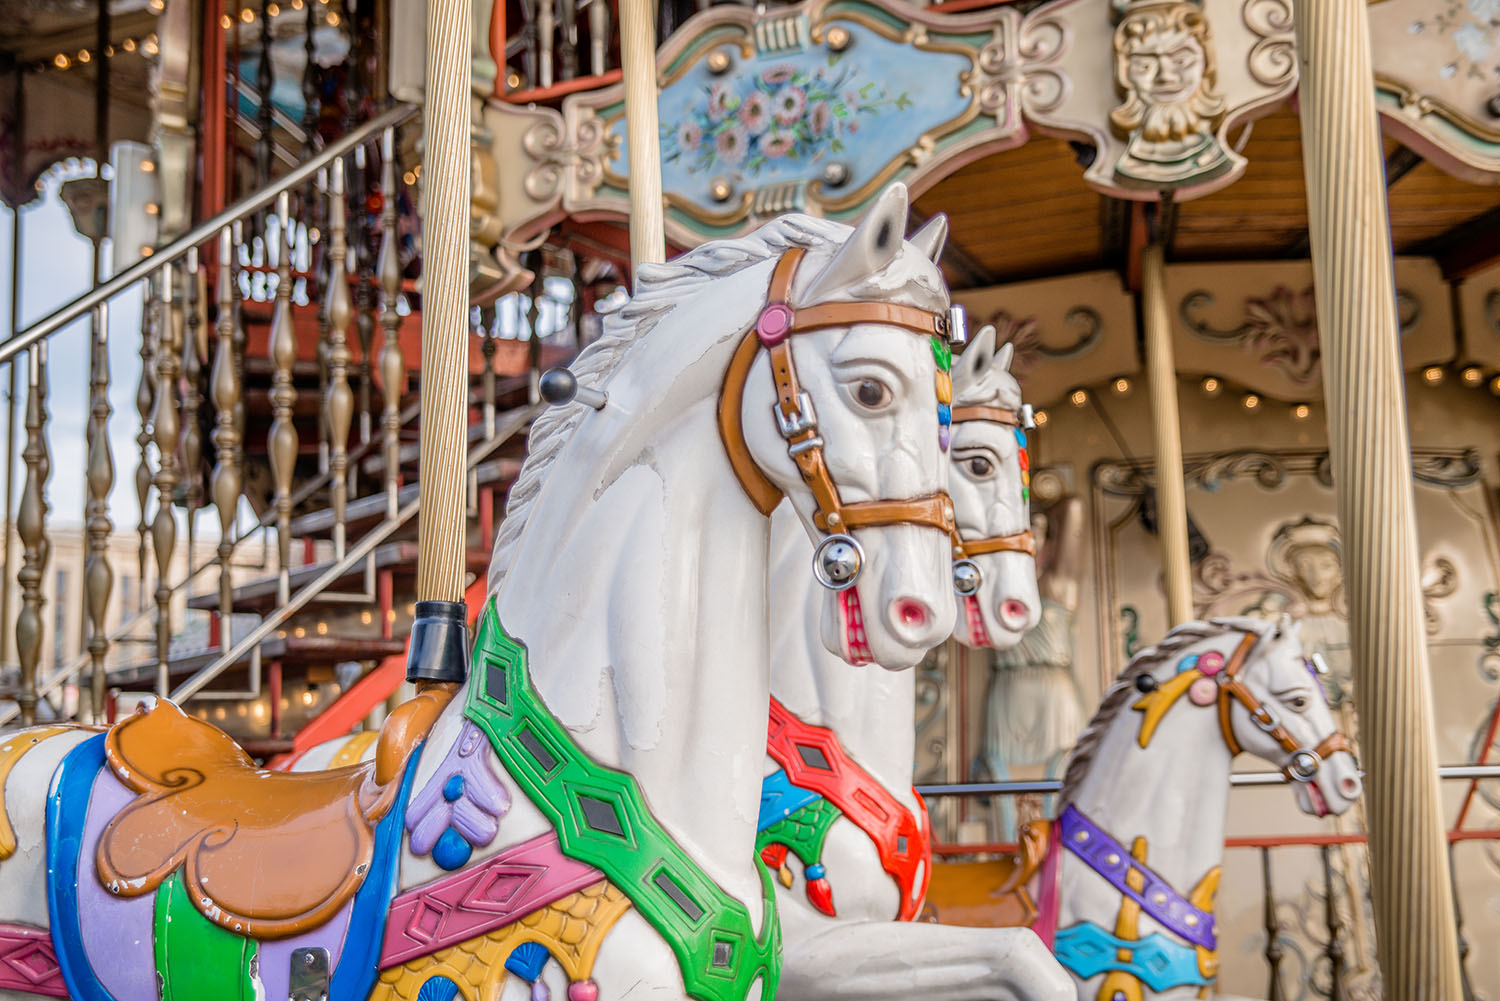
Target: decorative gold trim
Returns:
[[1428, 105]]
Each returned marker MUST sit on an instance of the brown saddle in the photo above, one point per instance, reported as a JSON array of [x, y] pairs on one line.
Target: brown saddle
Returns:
[[991, 894], [264, 854]]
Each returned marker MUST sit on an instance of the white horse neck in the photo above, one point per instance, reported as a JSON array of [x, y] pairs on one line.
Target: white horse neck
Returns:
[[869, 707], [638, 589], [1173, 793]]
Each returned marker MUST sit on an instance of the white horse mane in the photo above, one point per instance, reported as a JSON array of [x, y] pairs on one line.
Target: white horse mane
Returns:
[[659, 288], [1123, 691]]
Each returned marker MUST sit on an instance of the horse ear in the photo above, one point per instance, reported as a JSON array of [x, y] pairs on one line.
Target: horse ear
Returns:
[[870, 249], [975, 360], [931, 237], [1004, 356]]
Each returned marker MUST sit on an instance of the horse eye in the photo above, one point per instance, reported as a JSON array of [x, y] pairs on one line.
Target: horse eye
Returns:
[[1298, 704], [872, 393], [980, 466]]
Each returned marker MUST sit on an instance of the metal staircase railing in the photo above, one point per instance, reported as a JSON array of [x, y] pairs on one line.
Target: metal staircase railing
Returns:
[[358, 289]]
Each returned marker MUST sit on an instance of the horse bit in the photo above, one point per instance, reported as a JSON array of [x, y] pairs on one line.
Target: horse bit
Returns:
[[1302, 764]]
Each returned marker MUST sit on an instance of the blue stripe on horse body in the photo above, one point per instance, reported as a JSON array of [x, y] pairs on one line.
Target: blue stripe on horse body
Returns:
[[1156, 960], [779, 799], [67, 807]]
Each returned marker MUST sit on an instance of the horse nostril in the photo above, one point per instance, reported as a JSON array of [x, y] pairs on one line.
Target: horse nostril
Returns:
[[1014, 613], [911, 613], [1349, 787]]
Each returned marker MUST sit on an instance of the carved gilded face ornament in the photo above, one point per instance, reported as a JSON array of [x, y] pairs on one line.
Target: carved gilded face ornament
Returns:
[[1170, 110]]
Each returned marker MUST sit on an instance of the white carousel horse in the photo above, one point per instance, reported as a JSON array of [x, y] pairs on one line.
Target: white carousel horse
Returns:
[[1122, 883], [587, 799], [871, 715], [838, 814]]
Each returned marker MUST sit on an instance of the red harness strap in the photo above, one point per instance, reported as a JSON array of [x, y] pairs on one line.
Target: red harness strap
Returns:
[[814, 759]]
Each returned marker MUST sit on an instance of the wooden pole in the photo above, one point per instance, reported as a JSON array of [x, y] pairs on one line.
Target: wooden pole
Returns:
[[1166, 427], [445, 300], [1349, 231], [648, 240]]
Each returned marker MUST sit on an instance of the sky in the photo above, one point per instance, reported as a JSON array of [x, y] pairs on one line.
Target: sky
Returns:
[[55, 268]]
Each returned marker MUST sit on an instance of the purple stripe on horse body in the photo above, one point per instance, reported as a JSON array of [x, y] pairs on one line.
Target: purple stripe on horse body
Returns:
[[116, 931], [275, 959], [473, 901], [1107, 857], [28, 962]]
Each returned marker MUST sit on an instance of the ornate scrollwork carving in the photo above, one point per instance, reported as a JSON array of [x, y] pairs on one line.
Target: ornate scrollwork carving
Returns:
[[1269, 471], [1273, 59], [1446, 469], [1043, 43], [1025, 335], [1281, 327]]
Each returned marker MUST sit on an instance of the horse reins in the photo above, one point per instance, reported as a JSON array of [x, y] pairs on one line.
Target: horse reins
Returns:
[[1302, 765], [838, 558], [967, 576]]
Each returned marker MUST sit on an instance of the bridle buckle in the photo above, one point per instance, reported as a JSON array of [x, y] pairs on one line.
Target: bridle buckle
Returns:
[[1265, 718], [800, 421]]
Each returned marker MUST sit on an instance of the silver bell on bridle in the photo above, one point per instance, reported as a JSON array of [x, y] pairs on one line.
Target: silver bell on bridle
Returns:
[[837, 562], [966, 578]]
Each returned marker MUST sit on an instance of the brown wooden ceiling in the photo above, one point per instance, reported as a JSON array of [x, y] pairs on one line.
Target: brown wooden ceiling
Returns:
[[1026, 213]]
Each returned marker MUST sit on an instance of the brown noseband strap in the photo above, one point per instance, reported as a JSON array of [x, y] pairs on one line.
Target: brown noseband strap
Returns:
[[773, 331], [1020, 542]]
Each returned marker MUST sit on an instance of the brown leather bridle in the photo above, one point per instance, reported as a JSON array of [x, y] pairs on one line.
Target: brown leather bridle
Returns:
[[796, 419], [1302, 765], [964, 550]]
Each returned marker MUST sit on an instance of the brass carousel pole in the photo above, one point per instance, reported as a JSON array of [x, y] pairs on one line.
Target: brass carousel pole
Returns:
[[1349, 230], [648, 241], [439, 641], [1166, 427]]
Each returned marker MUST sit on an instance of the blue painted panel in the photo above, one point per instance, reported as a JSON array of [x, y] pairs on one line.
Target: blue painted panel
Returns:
[[784, 117]]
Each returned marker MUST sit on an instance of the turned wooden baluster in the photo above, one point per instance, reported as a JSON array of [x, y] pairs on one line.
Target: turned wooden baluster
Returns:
[[598, 36], [340, 401], [1274, 949], [310, 103], [364, 288], [392, 364], [98, 575], [31, 525], [264, 80], [166, 431], [145, 396], [192, 434], [1335, 948], [283, 439], [487, 346], [241, 341], [318, 284], [226, 395], [546, 26], [568, 51]]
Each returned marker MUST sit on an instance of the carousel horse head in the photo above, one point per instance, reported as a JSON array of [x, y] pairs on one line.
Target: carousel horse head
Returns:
[[825, 349], [1266, 691], [994, 569], [861, 399]]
